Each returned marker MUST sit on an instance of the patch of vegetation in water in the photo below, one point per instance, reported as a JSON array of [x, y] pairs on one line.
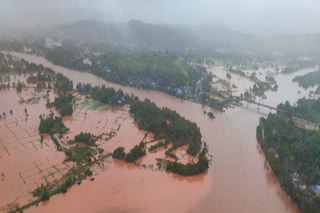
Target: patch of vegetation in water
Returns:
[[52, 125], [80, 154], [211, 115], [298, 65], [119, 153], [308, 80], [64, 102], [135, 153], [178, 130], [104, 95], [158, 145], [86, 138], [190, 169], [66, 109]]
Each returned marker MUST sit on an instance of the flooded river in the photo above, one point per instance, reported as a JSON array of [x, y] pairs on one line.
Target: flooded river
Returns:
[[239, 179]]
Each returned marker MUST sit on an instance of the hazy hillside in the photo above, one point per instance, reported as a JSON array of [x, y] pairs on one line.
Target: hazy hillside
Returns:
[[140, 35], [157, 36]]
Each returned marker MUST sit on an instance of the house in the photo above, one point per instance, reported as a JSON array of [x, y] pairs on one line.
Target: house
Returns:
[[49, 43], [87, 61], [106, 69], [301, 184], [303, 124], [316, 189]]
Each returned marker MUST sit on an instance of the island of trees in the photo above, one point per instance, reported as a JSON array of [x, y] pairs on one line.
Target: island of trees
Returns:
[[298, 65], [169, 126], [308, 80], [104, 95]]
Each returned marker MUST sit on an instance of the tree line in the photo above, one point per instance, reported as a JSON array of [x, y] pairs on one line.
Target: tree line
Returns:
[[282, 141]]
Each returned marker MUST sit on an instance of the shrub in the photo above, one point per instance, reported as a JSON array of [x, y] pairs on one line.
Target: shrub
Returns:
[[119, 153], [66, 109]]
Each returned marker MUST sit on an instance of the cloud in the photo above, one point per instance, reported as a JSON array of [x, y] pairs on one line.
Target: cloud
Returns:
[[247, 15]]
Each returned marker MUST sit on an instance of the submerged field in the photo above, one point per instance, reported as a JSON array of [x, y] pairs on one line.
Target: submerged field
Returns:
[[30, 160]]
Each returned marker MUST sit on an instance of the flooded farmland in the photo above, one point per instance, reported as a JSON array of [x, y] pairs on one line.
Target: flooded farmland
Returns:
[[239, 175]]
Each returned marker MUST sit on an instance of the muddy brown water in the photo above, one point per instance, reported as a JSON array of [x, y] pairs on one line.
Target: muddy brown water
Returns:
[[24, 160], [239, 179]]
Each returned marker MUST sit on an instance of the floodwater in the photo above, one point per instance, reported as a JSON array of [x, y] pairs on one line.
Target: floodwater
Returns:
[[25, 162], [288, 90], [239, 179], [242, 84]]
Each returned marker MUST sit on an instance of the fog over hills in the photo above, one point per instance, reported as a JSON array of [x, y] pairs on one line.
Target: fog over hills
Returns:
[[254, 16], [289, 26]]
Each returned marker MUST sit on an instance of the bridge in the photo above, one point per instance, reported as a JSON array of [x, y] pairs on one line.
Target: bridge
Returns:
[[250, 101], [260, 104], [298, 122]]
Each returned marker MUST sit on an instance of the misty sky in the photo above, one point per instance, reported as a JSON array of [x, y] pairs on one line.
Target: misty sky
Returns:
[[294, 16]]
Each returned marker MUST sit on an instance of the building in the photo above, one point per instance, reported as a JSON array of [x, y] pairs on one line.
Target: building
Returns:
[[51, 43], [87, 61], [301, 184], [316, 189], [303, 124]]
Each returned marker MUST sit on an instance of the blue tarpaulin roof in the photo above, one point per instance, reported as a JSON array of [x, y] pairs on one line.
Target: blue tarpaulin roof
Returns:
[[318, 187]]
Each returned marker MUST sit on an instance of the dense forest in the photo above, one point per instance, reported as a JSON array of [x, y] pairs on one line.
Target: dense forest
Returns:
[[308, 80], [148, 70], [63, 84], [308, 109], [298, 65], [11, 45], [104, 94], [162, 72], [180, 131], [285, 145], [68, 55], [8, 63]]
